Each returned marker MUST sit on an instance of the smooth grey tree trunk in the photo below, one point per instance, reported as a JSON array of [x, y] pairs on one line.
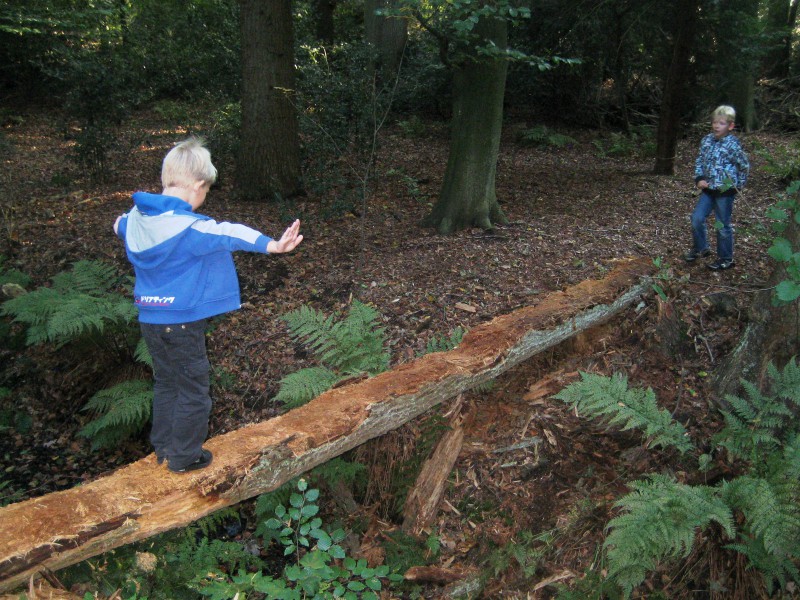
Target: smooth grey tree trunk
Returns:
[[269, 158]]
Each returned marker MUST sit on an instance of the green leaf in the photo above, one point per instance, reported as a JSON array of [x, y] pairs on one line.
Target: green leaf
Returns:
[[312, 495], [309, 510], [788, 291], [337, 552], [356, 586], [296, 500], [373, 583], [781, 249]]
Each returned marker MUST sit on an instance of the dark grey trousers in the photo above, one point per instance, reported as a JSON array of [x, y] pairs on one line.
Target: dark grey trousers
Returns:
[[181, 400]]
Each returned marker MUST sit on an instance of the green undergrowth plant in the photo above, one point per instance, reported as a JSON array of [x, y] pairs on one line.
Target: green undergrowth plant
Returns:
[[88, 309], [786, 216], [781, 161], [165, 567], [350, 346], [758, 510], [541, 135], [318, 566]]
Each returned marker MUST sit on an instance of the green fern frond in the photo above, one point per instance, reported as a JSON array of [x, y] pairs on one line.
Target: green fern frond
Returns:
[[610, 399], [88, 277], [774, 568], [441, 343], [142, 353], [121, 411], [790, 463], [351, 345], [787, 382], [660, 520], [771, 509], [304, 385], [752, 424], [78, 304]]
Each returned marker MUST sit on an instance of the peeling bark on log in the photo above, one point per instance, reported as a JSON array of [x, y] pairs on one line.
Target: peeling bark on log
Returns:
[[423, 499], [144, 499]]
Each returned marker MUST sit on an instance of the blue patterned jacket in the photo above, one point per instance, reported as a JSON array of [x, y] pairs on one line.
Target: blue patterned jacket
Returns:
[[721, 159]]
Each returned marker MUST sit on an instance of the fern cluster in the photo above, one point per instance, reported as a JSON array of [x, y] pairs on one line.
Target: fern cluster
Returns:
[[759, 510], [120, 411], [611, 400], [660, 520], [80, 303], [91, 303], [346, 347]]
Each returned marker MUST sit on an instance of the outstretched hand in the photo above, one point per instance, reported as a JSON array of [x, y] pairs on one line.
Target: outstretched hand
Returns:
[[289, 240]]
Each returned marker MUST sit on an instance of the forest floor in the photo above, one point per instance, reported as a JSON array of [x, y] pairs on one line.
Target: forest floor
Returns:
[[524, 518]]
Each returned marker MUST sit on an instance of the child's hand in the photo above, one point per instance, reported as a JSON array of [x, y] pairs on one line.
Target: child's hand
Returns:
[[702, 184], [289, 240]]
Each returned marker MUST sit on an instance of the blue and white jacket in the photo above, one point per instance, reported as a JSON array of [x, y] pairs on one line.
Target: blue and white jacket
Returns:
[[719, 160], [183, 262]]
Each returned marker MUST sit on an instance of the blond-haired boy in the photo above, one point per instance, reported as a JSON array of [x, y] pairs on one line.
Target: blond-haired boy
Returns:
[[720, 172], [184, 275]]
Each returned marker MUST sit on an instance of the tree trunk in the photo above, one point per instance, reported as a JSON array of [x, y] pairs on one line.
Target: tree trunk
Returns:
[[468, 197], [772, 335], [144, 499], [780, 20], [269, 158], [675, 88], [741, 66], [387, 35]]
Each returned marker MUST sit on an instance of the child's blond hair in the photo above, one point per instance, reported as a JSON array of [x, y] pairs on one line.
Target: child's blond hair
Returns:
[[723, 110], [186, 164]]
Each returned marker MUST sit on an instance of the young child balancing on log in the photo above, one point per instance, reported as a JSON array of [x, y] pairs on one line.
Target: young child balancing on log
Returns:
[[184, 275]]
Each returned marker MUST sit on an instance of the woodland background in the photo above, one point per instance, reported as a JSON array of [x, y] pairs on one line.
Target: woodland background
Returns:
[[450, 161]]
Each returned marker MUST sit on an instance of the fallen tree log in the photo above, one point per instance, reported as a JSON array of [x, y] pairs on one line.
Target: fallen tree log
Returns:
[[144, 498]]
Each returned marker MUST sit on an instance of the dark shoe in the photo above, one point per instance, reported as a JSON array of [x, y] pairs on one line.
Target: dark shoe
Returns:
[[721, 264], [200, 463], [692, 255], [160, 459]]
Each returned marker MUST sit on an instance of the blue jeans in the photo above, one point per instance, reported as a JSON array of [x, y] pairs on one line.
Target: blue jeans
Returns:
[[181, 399], [722, 206]]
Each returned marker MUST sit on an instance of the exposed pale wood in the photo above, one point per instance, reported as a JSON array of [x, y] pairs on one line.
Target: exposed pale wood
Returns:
[[424, 498], [144, 499], [432, 575]]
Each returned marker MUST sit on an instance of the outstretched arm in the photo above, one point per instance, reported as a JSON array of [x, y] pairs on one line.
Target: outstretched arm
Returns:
[[289, 240]]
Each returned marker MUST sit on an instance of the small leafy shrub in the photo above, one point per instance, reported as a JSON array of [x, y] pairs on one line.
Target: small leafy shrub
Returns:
[[759, 510], [543, 136], [637, 142], [783, 161], [783, 213], [320, 567], [345, 348], [413, 127]]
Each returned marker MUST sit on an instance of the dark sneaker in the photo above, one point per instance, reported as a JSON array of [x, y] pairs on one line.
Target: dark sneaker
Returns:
[[201, 463], [692, 255], [721, 264]]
